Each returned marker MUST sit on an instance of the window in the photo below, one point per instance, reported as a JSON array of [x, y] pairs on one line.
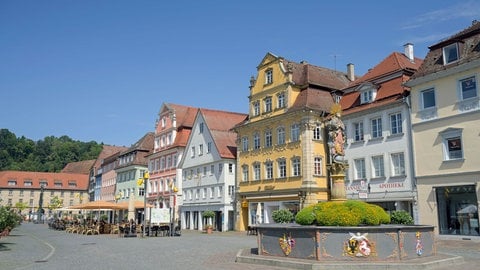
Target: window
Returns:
[[367, 96], [268, 138], [281, 100], [317, 132], [281, 135], [201, 128], [245, 144], [12, 182], [193, 151], [164, 121], [376, 125], [427, 98], [230, 167], [295, 133], [358, 128], [204, 171], [231, 190], [398, 164], [268, 76], [220, 167], [468, 88], [450, 53], [256, 108], [282, 168], [452, 144], [256, 141], [200, 149], [396, 123], [268, 170], [296, 167], [256, 171], [317, 166], [209, 147], [378, 166], [359, 168], [28, 183], [212, 169], [268, 104], [244, 173]]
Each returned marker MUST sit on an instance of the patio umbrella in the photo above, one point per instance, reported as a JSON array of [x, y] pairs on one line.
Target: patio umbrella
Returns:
[[96, 205], [259, 213]]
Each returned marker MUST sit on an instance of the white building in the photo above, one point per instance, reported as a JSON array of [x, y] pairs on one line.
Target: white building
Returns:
[[378, 146], [208, 169]]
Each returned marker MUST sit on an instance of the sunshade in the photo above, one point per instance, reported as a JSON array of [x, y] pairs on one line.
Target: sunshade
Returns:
[[96, 205], [137, 205]]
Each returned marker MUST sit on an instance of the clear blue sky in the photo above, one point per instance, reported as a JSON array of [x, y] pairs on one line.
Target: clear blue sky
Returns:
[[100, 70]]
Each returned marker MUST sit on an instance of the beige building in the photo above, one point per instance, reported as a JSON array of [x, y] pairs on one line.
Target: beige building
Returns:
[[19, 188], [445, 114]]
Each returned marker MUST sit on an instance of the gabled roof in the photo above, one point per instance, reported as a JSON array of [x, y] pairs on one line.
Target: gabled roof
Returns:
[[81, 167], [388, 78], [304, 74], [469, 40], [185, 115], [107, 151], [143, 147], [220, 124], [55, 181]]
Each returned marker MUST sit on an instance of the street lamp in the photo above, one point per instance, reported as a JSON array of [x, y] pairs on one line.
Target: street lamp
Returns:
[[143, 181]]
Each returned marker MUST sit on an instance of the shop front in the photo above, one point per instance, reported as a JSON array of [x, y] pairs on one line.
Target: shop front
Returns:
[[457, 210]]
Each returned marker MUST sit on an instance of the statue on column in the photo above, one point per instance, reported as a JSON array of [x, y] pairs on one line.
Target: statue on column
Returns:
[[336, 145]]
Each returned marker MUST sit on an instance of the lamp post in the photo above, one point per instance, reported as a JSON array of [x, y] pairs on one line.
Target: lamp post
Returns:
[[143, 181]]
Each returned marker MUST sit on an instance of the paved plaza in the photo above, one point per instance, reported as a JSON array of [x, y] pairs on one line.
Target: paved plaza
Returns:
[[35, 246]]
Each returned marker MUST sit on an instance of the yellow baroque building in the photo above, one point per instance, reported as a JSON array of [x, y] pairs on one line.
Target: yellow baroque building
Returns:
[[281, 147]]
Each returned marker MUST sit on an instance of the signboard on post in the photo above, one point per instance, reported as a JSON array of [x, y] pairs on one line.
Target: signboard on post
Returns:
[[160, 215]]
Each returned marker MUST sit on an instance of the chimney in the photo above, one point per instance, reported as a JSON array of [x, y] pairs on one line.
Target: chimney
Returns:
[[409, 51], [351, 72]]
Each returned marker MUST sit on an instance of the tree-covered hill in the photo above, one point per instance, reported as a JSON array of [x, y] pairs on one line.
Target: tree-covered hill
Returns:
[[48, 155]]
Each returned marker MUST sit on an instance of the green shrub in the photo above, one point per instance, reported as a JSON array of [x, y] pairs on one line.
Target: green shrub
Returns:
[[8, 218], [282, 216], [347, 213], [208, 214], [401, 217], [306, 216]]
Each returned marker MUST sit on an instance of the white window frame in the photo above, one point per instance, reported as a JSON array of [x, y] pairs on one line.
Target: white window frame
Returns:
[[280, 135], [256, 108], [268, 104], [448, 137], [425, 103], [256, 141], [268, 170], [398, 164], [378, 166], [281, 100], [268, 76], [256, 171], [358, 135], [376, 127], [461, 90], [295, 133], [318, 166], [396, 123], [245, 143], [296, 167], [282, 168], [360, 170], [451, 53], [245, 173], [317, 132], [268, 138]]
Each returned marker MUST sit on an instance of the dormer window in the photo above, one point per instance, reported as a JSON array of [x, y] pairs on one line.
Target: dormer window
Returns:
[[367, 93], [450, 53], [268, 76], [367, 96]]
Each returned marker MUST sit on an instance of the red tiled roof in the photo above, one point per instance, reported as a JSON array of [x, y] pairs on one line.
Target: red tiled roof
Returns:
[[185, 114], [388, 77], [313, 99], [53, 180], [82, 167], [220, 124], [107, 151]]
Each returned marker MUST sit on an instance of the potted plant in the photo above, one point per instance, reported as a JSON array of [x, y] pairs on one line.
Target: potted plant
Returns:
[[209, 215]]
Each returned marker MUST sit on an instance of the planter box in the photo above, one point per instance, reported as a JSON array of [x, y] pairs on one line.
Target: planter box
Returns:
[[362, 243]]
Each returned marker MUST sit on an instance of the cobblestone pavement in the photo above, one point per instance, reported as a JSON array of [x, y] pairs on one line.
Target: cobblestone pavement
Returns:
[[34, 246]]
